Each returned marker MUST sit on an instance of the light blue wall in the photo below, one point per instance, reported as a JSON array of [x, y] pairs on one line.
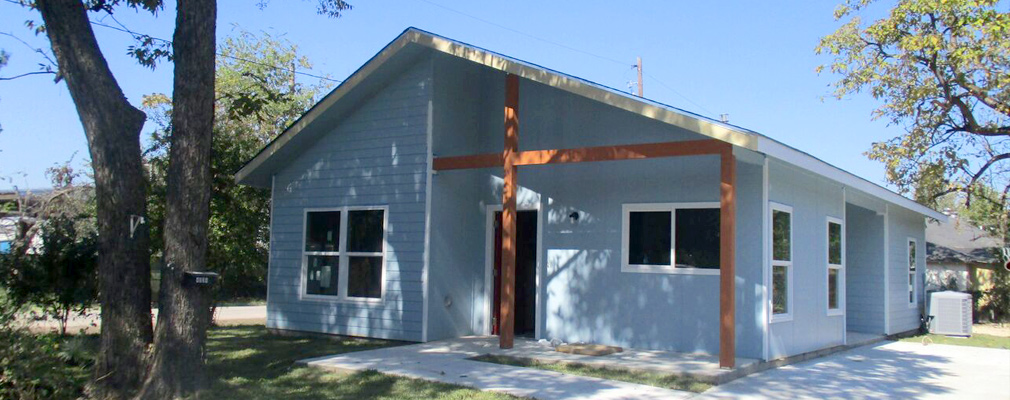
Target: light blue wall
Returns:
[[902, 225], [813, 199], [375, 156], [584, 296], [864, 270]]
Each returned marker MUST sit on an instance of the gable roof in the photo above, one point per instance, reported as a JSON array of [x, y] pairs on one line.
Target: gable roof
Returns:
[[413, 41], [959, 241]]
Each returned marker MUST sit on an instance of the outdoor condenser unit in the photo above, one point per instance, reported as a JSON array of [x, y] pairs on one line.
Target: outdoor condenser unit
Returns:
[[951, 313]]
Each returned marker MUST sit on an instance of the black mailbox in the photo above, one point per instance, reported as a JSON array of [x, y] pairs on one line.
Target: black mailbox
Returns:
[[194, 278]]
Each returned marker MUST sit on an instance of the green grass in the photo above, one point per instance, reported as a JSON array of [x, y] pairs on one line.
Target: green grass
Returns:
[[976, 340], [246, 362], [249, 363], [618, 374]]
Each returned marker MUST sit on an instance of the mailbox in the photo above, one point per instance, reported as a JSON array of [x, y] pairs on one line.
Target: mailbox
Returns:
[[194, 278]]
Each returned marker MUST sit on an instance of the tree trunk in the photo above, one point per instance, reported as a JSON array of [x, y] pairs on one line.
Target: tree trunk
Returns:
[[177, 369], [113, 128]]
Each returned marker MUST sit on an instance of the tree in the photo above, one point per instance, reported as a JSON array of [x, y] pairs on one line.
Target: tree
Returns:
[[942, 70], [258, 95], [54, 256], [112, 126]]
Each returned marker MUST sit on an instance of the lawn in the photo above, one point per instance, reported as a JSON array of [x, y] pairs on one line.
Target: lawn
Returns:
[[976, 340], [248, 363], [618, 374]]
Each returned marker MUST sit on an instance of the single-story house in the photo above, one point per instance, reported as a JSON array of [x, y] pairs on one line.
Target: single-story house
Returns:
[[445, 190], [960, 255]]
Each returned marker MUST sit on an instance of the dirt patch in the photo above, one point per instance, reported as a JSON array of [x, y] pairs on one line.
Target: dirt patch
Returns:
[[1002, 330]]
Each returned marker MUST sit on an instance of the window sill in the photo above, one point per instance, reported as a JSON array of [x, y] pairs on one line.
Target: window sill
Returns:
[[661, 269], [836, 313], [781, 318], [336, 299]]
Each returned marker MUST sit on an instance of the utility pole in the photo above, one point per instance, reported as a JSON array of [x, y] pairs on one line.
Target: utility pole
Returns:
[[639, 67]]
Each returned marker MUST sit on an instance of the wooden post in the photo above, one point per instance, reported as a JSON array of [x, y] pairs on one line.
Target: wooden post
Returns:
[[727, 259], [640, 85], [506, 329]]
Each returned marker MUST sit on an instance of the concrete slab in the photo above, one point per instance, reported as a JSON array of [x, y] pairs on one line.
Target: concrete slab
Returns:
[[447, 361], [883, 370]]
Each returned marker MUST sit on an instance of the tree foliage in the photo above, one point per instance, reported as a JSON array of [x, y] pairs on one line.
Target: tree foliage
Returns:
[[258, 95], [942, 70]]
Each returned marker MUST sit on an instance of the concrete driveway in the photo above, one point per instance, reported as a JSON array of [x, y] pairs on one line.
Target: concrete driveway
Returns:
[[897, 370]]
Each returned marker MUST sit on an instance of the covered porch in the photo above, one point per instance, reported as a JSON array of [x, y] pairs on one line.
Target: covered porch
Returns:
[[707, 157]]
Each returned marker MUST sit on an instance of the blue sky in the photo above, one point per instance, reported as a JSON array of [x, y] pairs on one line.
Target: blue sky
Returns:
[[752, 60]]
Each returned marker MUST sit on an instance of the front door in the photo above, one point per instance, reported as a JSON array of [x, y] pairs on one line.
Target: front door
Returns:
[[526, 273]]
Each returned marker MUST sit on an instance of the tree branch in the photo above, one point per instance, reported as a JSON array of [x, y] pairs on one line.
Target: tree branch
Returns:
[[11, 78]]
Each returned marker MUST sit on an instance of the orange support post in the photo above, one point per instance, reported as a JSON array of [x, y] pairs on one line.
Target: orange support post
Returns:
[[727, 260], [506, 331]]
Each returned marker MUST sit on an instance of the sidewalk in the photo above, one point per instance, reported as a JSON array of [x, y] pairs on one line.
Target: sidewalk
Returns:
[[446, 361], [91, 323]]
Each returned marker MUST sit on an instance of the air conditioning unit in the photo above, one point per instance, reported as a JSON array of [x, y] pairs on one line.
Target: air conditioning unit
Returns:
[[951, 313]]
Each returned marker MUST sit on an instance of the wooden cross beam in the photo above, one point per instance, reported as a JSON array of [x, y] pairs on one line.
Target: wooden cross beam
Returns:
[[511, 158]]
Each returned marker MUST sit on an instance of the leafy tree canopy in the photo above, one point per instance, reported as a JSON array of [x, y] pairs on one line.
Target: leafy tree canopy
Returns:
[[258, 95], [942, 71]]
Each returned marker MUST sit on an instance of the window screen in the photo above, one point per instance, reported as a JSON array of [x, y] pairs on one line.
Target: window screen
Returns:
[[323, 231], [649, 240], [697, 237]]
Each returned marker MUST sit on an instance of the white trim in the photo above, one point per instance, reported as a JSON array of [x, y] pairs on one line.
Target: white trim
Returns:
[[489, 211], [427, 221], [766, 262], [344, 257], [627, 209], [810, 163], [790, 282], [913, 286], [845, 273], [840, 311], [887, 269], [270, 245]]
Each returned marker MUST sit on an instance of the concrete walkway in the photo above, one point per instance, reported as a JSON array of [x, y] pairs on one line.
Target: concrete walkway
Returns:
[[446, 361], [896, 370], [91, 323]]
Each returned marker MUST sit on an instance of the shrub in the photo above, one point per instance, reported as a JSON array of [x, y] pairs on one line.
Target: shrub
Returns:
[[38, 367]]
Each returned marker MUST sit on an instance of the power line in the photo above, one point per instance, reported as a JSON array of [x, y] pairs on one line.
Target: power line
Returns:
[[246, 60], [551, 42], [668, 87], [525, 34]]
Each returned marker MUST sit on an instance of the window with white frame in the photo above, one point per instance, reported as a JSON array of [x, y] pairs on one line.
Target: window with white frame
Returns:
[[782, 261], [344, 253], [911, 271], [671, 238], [836, 246]]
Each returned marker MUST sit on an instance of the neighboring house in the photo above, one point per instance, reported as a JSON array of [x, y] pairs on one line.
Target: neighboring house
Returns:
[[960, 256], [687, 234]]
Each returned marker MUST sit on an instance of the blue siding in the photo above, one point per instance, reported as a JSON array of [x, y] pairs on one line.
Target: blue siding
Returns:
[[864, 270], [377, 155], [813, 199], [584, 296], [902, 225]]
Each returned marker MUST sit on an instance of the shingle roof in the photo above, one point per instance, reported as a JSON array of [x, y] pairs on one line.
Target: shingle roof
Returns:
[[959, 241]]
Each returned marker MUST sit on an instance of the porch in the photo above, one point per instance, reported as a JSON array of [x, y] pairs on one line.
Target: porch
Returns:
[[449, 361]]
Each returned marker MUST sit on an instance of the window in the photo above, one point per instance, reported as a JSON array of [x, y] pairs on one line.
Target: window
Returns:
[[678, 238], [911, 272], [782, 262], [344, 254], [836, 247]]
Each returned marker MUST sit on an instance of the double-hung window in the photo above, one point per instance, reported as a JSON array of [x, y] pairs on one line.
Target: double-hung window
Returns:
[[782, 262], [677, 238], [836, 262], [344, 253], [911, 272]]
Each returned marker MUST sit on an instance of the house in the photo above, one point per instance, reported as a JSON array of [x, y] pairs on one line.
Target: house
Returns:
[[446, 190], [960, 256]]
